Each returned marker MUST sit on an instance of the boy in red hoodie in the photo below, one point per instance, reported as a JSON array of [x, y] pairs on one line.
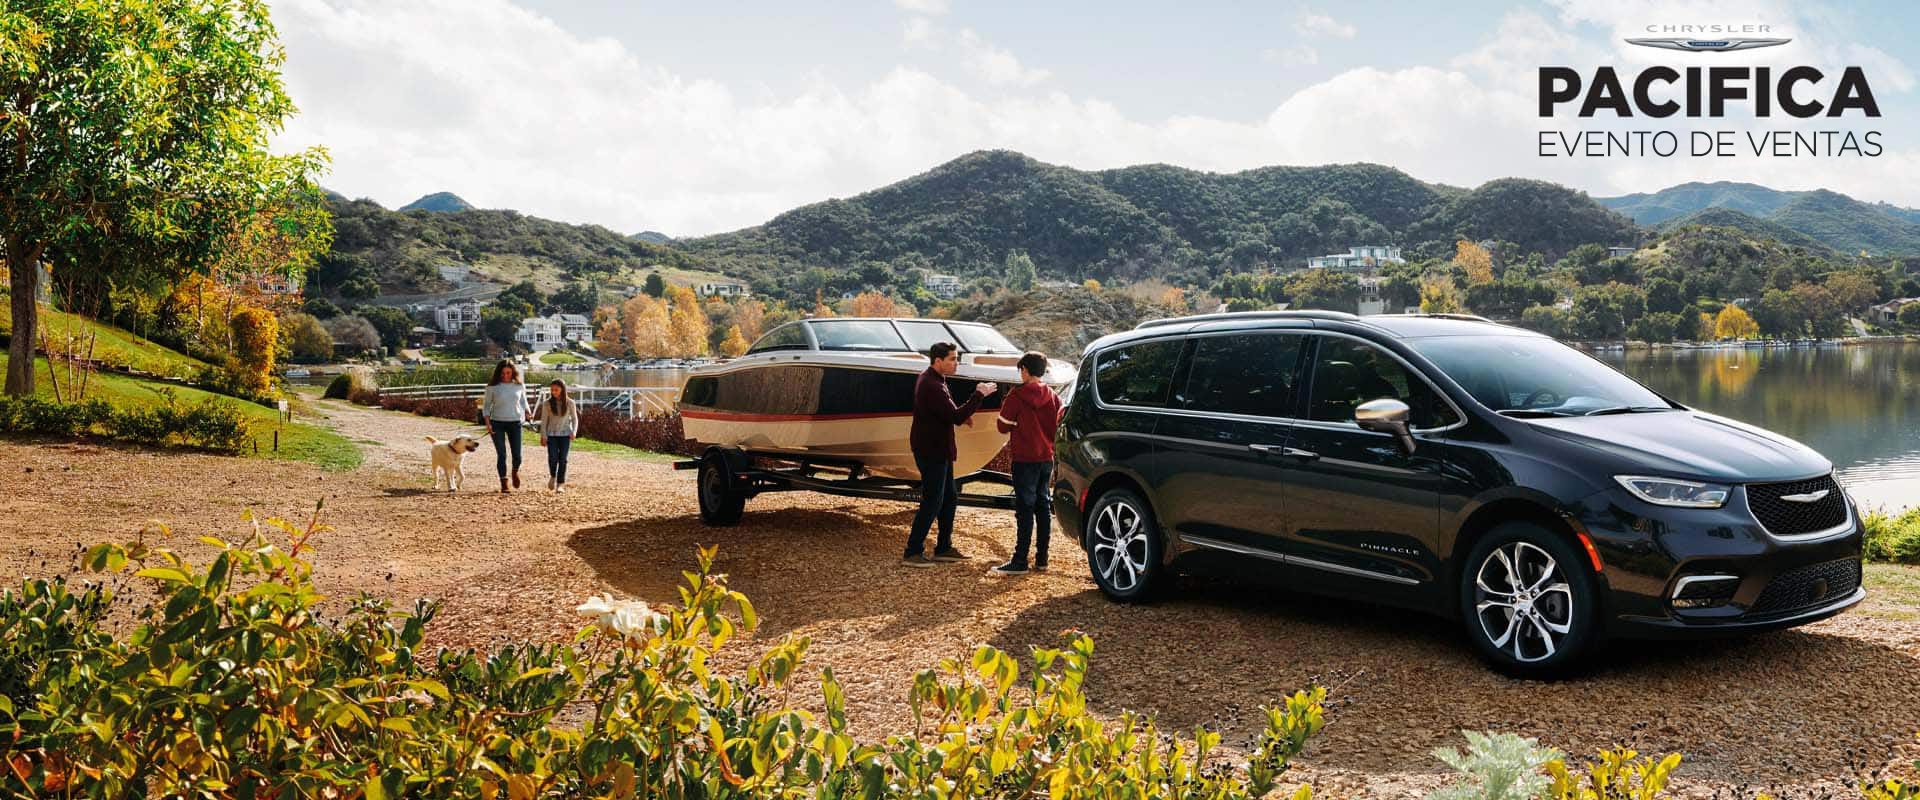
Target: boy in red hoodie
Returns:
[[1031, 414]]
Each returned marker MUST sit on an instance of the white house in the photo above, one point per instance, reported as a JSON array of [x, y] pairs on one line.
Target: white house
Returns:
[[1371, 302], [721, 289], [457, 318], [945, 287], [575, 327], [540, 333], [1366, 256]]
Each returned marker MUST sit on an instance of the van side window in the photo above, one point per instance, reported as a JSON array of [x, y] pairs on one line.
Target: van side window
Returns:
[[1137, 374], [1247, 373], [1347, 373]]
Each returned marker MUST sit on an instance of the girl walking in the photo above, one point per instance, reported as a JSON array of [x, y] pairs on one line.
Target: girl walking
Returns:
[[505, 409], [559, 420]]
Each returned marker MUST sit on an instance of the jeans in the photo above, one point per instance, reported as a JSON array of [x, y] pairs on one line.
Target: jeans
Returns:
[[1031, 510], [557, 447], [939, 496], [506, 434]]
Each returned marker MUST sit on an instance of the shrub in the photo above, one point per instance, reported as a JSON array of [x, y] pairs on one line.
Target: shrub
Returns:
[[1892, 538], [356, 385], [211, 424], [232, 685], [660, 433], [45, 417]]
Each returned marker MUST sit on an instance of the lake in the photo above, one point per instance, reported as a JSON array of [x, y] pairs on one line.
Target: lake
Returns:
[[1859, 406]]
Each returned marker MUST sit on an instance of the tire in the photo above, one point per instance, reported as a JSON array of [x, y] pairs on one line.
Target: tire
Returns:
[[1124, 548], [1523, 567], [721, 501]]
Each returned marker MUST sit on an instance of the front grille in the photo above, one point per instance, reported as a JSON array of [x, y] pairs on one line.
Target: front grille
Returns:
[[1783, 517], [1808, 586]]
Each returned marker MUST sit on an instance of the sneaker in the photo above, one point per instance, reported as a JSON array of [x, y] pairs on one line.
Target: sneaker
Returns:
[[917, 560], [551, 485], [561, 488], [1010, 568], [1040, 564], [949, 554]]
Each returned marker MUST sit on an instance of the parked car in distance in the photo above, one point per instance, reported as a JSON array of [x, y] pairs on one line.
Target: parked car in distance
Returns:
[[1449, 465]]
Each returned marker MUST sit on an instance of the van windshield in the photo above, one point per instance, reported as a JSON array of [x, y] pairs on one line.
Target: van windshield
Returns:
[[1534, 376]]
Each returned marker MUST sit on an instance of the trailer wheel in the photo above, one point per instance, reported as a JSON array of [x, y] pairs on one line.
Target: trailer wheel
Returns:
[[721, 500]]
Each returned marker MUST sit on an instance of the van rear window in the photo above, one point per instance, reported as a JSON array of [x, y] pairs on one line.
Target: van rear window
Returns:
[[1137, 374]]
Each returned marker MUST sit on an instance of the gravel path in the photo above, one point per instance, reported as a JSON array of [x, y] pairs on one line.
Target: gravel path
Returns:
[[1794, 711]]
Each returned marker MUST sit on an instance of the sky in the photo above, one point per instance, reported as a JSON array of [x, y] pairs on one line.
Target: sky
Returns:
[[699, 118]]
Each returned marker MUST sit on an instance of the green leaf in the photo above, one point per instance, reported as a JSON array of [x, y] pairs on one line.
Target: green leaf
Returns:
[[167, 574]]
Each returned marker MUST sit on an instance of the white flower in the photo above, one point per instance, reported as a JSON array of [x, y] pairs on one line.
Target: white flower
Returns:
[[631, 620]]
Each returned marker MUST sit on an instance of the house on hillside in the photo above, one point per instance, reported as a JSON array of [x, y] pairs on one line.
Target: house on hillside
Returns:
[[456, 318], [540, 333], [1371, 301], [575, 328], [1361, 257], [721, 289], [945, 287], [1619, 252], [1888, 313]]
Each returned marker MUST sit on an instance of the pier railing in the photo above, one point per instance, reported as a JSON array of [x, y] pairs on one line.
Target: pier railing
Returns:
[[633, 401]]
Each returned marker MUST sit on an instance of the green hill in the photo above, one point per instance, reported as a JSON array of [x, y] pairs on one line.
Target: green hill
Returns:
[[445, 202], [1833, 219], [1146, 221], [1752, 226], [111, 345]]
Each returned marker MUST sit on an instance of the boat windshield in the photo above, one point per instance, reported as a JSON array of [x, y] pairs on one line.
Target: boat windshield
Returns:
[[857, 334], [1529, 376], [922, 334], [983, 339]]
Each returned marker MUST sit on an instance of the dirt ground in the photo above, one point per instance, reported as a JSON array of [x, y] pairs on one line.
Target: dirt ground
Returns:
[[1789, 712]]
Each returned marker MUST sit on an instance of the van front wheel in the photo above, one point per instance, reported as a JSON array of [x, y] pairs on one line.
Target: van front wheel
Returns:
[[1528, 601]]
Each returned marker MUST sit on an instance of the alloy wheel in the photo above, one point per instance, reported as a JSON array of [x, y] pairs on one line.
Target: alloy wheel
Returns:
[[1120, 546], [1523, 602]]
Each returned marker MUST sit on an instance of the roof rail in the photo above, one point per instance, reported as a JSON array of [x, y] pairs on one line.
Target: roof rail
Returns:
[[1447, 315], [1305, 313]]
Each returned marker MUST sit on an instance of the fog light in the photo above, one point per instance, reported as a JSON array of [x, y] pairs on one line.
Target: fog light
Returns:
[[1705, 591]]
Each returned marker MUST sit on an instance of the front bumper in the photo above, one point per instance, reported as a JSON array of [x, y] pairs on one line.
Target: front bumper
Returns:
[[1776, 582]]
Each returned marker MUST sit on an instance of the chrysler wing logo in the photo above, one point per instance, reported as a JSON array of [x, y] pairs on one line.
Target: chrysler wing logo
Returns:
[[1708, 45], [1805, 498]]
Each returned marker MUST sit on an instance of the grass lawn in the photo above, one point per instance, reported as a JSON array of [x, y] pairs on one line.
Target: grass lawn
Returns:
[[298, 441], [622, 451], [111, 344], [558, 357], [1893, 592]]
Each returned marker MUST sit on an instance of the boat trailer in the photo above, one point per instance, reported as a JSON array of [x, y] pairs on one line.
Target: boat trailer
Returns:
[[728, 476]]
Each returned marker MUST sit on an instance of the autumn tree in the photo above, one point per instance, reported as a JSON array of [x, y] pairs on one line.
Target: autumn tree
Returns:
[[135, 140], [687, 324], [750, 317], [1438, 295], [1474, 260], [645, 326], [255, 335], [735, 344], [1734, 323]]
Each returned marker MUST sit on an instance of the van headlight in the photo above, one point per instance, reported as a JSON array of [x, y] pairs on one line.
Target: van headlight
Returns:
[[1675, 492]]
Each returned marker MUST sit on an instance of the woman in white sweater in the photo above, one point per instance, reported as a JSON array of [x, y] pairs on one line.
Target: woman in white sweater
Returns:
[[504, 407], [559, 420]]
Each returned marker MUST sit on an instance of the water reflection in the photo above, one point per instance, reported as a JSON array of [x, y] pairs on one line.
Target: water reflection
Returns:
[[1859, 406]]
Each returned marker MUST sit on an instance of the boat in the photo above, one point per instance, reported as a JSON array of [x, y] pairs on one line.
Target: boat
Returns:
[[840, 390]]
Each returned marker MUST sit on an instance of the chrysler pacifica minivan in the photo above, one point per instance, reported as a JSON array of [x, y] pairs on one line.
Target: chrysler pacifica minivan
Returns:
[[1446, 464]]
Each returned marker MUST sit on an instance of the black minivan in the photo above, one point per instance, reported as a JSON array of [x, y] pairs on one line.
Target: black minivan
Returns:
[[1446, 464]]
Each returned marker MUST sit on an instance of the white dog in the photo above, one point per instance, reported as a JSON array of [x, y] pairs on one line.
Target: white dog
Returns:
[[447, 459]]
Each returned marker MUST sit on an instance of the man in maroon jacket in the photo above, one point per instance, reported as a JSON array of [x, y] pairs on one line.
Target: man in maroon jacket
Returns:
[[934, 417], [1031, 415]]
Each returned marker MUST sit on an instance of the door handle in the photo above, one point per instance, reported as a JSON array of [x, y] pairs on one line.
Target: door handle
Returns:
[[1290, 452], [1266, 449]]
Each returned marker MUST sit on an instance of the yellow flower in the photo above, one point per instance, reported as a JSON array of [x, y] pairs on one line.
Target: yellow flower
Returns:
[[631, 620]]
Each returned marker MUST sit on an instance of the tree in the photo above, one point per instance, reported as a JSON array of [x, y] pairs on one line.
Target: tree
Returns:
[[1549, 320], [578, 297], [499, 325], [1853, 291], [875, 304], [655, 286], [357, 334], [136, 139], [1733, 323], [1091, 285], [1474, 260], [523, 297], [1438, 295], [1658, 326], [644, 326], [1325, 289], [255, 334], [321, 307], [1020, 271], [393, 324], [735, 344], [307, 341], [1910, 315], [1665, 294], [750, 317], [1605, 311], [687, 325]]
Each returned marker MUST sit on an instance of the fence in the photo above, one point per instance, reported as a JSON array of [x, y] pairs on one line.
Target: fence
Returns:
[[632, 401]]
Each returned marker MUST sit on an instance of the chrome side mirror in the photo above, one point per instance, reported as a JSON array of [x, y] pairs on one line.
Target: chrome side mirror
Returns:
[[1386, 415]]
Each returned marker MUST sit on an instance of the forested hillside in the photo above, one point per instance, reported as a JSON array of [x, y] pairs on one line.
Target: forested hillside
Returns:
[[1832, 219], [1180, 225]]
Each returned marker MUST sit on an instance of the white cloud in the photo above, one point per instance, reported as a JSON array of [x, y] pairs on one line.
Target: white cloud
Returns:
[[507, 109], [923, 6], [1313, 25], [919, 32], [1293, 56], [995, 64]]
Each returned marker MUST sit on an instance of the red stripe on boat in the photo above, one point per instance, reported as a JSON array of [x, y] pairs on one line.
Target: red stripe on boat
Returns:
[[742, 416]]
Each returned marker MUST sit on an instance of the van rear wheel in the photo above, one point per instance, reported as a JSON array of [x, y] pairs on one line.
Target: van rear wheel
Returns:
[[1124, 547]]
